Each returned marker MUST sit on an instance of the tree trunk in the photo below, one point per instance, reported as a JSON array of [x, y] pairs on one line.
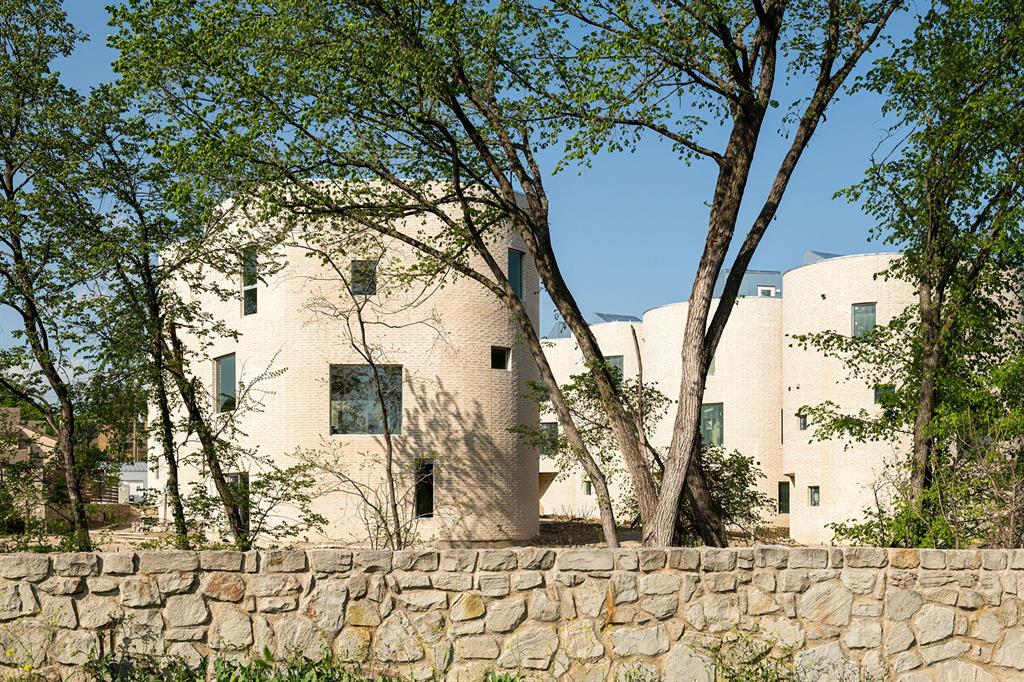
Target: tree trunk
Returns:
[[207, 440], [921, 457], [170, 457], [66, 443]]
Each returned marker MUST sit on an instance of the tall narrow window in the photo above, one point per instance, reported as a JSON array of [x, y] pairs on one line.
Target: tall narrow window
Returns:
[[515, 271], [712, 424], [588, 487], [355, 405], [238, 486], [224, 369], [425, 489], [364, 277], [711, 367], [783, 497], [814, 496], [549, 438], [802, 416], [863, 318], [250, 277]]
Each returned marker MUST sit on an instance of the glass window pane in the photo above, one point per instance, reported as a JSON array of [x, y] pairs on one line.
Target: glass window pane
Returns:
[[226, 383], [355, 406], [249, 301], [814, 496], [783, 497], [250, 268], [615, 362], [515, 271], [425, 489], [364, 277], [711, 424], [863, 318]]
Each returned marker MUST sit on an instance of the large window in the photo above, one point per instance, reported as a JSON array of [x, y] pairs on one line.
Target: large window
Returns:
[[355, 407], [711, 424], [783, 497], [863, 318], [250, 277], [225, 383], [425, 489], [364, 277], [515, 271]]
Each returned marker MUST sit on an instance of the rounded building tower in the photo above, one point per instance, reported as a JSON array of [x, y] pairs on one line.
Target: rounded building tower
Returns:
[[832, 480], [453, 371]]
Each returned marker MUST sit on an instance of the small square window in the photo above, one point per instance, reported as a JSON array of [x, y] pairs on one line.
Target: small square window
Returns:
[[766, 291], [501, 358], [814, 496], [884, 394], [364, 277]]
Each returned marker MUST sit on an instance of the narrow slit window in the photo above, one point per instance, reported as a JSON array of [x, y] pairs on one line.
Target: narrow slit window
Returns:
[[425, 489], [250, 278], [802, 416], [783, 497], [224, 370], [814, 496], [238, 486], [515, 271], [501, 358], [588, 487]]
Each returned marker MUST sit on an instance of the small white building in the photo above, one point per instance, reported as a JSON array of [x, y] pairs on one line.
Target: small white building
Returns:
[[757, 384]]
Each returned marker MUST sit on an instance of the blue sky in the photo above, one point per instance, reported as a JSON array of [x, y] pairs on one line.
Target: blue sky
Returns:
[[629, 230]]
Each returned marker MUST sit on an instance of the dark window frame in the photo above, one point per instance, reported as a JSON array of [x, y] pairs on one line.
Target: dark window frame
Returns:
[[363, 274], [425, 490], [501, 358], [516, 275], [250, 281], [784, 500]]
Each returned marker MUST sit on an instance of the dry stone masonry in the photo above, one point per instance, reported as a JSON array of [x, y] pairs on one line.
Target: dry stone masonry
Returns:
[[569, 614]]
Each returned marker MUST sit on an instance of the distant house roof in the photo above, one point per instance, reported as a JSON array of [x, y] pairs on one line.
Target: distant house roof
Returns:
[[763, 283], [560, 331], [811, 256], [598, 318]]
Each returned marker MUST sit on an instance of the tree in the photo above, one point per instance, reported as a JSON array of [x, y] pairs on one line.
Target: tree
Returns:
[[946, 187], [375, 111], [41, 209]]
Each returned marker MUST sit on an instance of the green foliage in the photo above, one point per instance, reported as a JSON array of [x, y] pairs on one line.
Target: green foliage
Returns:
[[749, 657], [947, 188]]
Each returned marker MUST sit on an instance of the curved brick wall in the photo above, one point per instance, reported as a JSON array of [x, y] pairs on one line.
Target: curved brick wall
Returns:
[[456, 409], [569, 614]]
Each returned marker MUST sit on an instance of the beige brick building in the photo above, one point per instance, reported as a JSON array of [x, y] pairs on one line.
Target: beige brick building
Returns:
[[758, 383], [455, 368]]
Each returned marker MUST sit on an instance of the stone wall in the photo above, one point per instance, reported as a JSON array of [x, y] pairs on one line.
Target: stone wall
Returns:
[[571, 614]]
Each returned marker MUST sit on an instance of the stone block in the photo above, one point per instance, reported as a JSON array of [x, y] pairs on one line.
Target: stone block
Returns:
[[808, 557], [460, 560], [644, 641], [415, 560], [27, 565], [586, 560], [535, 558], [651, 559], [718, 559], [283, 561], [139, 592], [866, 557], [771, 557], [222, 560], [506, 615], [372, 560], [476, 647], [329, 560], [185, 610], [223, 586], [168, 561], [685, 559], [118, 563], [497, 585]]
